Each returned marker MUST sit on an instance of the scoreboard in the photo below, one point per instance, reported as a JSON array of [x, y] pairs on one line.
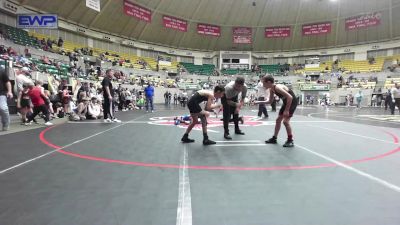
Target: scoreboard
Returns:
[[235, 60]]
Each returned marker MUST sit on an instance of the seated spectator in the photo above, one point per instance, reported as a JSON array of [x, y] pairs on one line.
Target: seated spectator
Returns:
[[92, 90], [11, 52], [121, 62], [140, 102], [82, 108], [49, 104], [99, 95], [59, 110], [58, 65], [60, 42], [83, 91], [94, 109], [3, 50], [46, 60], [371, 60], [49, 43], [27, 53], [81, 96]]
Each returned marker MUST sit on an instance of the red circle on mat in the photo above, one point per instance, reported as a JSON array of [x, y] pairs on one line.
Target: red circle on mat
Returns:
[[235, 168]]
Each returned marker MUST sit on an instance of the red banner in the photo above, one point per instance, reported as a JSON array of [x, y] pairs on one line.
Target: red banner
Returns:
[[242, 35], [242, 30], [137, 11], [277, 32], [363, 21], [175, 23], [210, 30], [237, 39], [316, 29]]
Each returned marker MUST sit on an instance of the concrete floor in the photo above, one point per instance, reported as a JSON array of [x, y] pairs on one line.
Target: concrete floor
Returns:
[[138, 172]]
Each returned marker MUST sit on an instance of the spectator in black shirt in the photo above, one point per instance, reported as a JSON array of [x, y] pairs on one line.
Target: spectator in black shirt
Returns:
[[60, 42]]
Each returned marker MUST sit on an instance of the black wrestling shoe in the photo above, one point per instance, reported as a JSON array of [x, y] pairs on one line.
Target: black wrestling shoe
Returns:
[[289, 144], [208, 142], [186, 139], [271, 141], [241, 120], [227, 137], [239, 132]]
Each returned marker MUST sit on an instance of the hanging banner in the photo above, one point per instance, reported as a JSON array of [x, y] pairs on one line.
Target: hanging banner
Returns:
[[93, 4], [137, 11], [363, 21], [277, 32], [37, 21], [242, 35], [175, 23], [317, 29], [210, 30]]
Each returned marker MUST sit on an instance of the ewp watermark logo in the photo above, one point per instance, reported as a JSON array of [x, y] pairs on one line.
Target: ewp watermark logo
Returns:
[[33, 21]]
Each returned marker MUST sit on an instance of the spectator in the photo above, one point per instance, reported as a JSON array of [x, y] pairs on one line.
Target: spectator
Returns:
[[149, 92], [388, 100], [263, 94], [92, 90], [82, 108], [49, 43], [24, 102], [175, 99], [49, 104], [84, 91], [169, 98], [5, 92], [134, 99], [140, 102], [11, 52], [60, 42], [3, 50], [395, 97], [66, 99], [46, 60], [359, 97], [94, 109], [27, 53], [373, 101]]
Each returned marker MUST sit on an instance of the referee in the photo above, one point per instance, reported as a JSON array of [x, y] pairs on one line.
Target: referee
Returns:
[[231, 104]]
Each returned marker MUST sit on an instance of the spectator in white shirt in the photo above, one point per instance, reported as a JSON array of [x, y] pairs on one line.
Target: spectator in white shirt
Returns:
[[395, 97], [262, 95]]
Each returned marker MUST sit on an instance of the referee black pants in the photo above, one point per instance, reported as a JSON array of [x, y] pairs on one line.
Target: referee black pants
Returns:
[[262, 109], [228, 111], [108, 109]]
